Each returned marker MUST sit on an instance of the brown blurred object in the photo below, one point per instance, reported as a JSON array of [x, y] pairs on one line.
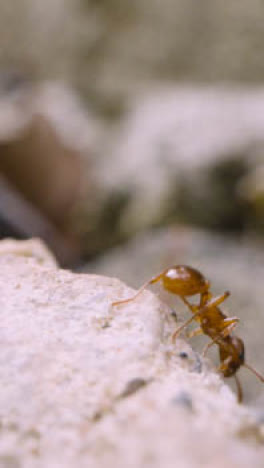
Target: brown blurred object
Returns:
[[41, 173], [44, 170], [20, 219]]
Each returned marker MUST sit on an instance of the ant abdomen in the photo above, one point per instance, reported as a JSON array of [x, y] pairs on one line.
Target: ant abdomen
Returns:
[[231, 353]]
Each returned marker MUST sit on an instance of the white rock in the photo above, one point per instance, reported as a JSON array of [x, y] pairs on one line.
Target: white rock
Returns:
[[67, 357], [34, 248]]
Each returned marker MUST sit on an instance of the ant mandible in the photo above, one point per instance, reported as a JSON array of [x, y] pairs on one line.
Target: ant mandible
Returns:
[[185, 281]]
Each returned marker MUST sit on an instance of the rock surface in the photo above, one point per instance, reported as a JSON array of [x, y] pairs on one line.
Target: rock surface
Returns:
[[32, 248], [85, 384]]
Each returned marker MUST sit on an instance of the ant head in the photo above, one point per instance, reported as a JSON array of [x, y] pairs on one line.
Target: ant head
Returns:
[[184, 280]]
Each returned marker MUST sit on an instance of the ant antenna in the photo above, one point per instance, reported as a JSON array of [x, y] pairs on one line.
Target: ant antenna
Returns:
[[151, 281], [257, 374]]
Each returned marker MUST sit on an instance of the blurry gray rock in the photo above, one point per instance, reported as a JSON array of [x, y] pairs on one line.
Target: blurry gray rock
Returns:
[[114, 50], [85, 384], [183, 152], [24, 99], [110, 48]]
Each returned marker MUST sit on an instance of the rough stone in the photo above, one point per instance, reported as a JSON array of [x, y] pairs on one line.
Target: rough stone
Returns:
[[85, 384], [32, 248]]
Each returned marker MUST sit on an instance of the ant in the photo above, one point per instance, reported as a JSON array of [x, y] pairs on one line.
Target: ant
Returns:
[[185, 281]]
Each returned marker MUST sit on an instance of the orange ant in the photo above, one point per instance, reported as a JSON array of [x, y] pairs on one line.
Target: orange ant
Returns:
[[186, 281]]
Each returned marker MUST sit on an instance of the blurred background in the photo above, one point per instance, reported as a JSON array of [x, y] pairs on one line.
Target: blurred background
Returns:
[[132, 138]]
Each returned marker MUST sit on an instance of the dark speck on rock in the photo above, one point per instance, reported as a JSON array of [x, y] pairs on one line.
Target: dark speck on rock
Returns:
[[183, 355], [174, 315], [197, 365], [133, 386], [97, 416], [183, 399], [106, 325]]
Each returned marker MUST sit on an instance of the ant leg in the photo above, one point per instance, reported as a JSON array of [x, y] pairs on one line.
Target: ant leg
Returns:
[[198, 331], [224, 365], [185, 324], [229, 325], [216, 301], [257, 374], [204, 298], [228, 328], [130, 299], [191, 307], [208, 346], [195, 311], [239, 389]]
